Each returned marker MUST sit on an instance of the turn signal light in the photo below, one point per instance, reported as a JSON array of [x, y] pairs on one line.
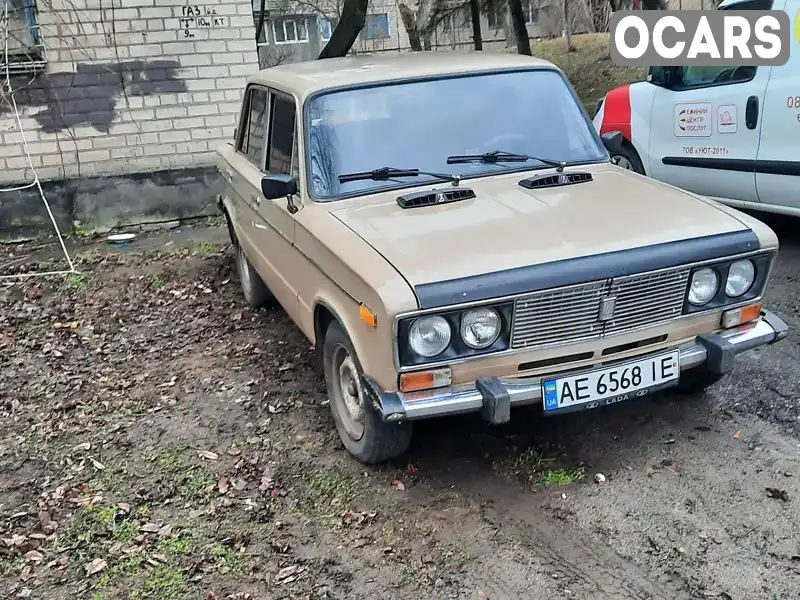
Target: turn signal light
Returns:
[[739, 316], [367, 316], [425, 380]]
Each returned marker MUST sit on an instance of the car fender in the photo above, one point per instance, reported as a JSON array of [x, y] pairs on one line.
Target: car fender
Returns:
[[345, 310], [627, 109]]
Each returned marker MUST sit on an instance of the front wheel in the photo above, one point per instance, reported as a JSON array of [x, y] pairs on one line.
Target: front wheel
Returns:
[[364, 434], [627, 158]]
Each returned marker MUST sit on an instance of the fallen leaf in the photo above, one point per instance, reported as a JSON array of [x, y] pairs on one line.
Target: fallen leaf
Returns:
[[223, 485], [97, 464], [234, 450], [239, 483], [285, 367], [285, 573], [398, 485], [82, 446], [97, 565], [150, 528], [165, 530], [737, 434], [778, 494], [124, 507], [34, 292], [208, 454], [34, 556]]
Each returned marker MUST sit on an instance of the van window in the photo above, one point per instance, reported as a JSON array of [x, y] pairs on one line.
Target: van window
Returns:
[[693, 76]]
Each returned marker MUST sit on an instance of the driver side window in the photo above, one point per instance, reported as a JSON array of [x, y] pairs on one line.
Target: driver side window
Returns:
[[693, 76]]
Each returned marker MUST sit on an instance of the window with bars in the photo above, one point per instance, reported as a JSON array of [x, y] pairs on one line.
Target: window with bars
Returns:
[[22, 48]]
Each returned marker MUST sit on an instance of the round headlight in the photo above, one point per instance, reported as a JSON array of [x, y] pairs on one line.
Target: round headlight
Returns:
[[740, 277], [480, 327], [704, 286], [429, 336]]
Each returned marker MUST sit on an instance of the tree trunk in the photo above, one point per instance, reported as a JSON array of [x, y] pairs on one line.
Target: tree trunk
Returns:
[[568, 27], [260, 27], [410, 24], [354, 15], [520, 30], [475, 17]]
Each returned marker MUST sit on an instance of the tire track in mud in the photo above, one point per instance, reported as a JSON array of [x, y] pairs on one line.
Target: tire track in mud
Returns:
[[534, 555]]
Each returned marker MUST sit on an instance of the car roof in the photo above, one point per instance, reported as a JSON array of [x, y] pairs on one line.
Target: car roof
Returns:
[[304, 78]]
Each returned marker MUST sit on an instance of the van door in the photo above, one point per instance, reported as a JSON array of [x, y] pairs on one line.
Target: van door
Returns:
[[778, 164], [705, 127]]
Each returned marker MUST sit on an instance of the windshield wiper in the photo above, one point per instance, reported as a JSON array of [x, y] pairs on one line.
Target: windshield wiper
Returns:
[[385, 173], [497, 156]]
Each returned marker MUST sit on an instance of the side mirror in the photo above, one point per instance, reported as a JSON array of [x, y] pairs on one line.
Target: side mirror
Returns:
[[612, 141], [278, 186]]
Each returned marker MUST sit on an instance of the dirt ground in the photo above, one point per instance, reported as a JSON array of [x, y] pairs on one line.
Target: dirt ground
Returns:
[[160, 440]]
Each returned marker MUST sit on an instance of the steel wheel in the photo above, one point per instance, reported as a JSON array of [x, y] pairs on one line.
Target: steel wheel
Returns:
[[244, 272], [622, 162], [347, 393]]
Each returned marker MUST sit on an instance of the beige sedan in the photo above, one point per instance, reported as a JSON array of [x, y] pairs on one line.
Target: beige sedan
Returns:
[[450, 233]]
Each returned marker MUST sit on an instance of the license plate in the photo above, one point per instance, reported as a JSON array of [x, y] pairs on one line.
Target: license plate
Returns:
[[613, 384]]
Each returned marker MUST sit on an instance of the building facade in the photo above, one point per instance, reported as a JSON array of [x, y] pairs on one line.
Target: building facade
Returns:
[[119, 105]]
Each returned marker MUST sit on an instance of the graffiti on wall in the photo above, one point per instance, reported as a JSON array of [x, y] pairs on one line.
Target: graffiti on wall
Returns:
[[91, 94]]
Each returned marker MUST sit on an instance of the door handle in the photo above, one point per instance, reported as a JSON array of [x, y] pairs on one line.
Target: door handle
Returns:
[[751, 113]]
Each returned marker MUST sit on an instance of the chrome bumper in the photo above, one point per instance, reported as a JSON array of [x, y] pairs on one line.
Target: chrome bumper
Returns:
[[493, 396]]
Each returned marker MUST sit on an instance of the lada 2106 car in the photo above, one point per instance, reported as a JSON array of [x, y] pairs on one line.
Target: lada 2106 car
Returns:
[[450, 232]]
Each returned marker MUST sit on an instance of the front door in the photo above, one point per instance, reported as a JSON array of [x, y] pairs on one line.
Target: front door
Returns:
[[706, 128], [705, 131]]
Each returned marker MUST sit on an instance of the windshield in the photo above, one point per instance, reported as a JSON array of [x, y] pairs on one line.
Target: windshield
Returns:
[[418, 124]]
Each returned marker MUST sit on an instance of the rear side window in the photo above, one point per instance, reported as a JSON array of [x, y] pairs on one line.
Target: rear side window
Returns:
[[282, 128], [254, 129]]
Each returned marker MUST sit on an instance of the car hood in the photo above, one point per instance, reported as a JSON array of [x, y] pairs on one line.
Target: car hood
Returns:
[[508, 226]]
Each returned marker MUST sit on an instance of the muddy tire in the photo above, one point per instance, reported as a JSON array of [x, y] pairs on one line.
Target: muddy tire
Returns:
[[254, 289], [628, 158], [696, 380], [365, 436]]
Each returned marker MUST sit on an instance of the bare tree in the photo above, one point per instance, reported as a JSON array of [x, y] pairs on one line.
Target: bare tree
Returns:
[[475, 18], [568, 27], [410, 24], [354, 15], [520, 29]]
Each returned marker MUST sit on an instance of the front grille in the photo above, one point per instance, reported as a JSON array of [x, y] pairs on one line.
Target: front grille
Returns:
[[571, 314]]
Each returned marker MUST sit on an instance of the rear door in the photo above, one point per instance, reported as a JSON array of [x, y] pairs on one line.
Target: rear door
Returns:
[[705, 129], [778, 165]]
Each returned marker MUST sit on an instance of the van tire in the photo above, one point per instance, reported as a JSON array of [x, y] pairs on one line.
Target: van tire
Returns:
[[366, 436], [628, 158]]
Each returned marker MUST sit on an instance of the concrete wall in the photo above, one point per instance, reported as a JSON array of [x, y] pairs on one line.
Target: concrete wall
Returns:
[[141, 86]]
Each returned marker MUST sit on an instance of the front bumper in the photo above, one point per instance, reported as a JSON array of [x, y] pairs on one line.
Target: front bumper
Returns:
[[494, 396]]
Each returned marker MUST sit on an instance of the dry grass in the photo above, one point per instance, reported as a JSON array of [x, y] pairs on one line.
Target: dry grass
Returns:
[[589, 67]]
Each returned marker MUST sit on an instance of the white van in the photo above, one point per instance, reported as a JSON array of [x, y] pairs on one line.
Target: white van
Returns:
[[732, 134]]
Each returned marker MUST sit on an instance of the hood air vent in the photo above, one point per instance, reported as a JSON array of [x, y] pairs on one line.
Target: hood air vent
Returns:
[[555, 180], [432, 197]]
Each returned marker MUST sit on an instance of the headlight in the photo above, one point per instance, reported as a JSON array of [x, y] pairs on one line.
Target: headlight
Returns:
[[480, 327], [704, 286], [741, 275], [429, 336]]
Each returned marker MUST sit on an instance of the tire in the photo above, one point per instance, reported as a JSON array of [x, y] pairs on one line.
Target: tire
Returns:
[[628, 158], [364, 434], [696, 381], [254, 289]]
